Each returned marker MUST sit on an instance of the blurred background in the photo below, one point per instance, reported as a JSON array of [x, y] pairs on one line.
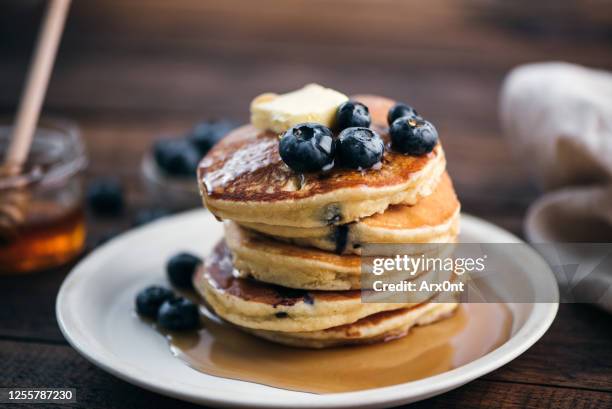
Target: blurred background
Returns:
[[129, 72]]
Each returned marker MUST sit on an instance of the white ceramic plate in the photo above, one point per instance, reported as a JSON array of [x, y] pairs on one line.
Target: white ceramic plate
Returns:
[[95, 313]]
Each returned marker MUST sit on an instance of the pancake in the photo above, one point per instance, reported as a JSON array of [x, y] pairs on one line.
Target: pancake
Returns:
[[264, 259], [257, 305], [434, 219], [244, 179], [379, 327]]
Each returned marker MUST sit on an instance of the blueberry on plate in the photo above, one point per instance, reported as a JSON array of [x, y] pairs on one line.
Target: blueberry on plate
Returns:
[[352, 114], [206, 134], [359, 148], [150, 299], [180, 269], [413, 136], [177, 157], [178, 314], [105, 197], [308, 147], [399, 110]]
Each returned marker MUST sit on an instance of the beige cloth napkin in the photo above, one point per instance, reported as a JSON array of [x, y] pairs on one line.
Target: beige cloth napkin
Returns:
[[558, 119]]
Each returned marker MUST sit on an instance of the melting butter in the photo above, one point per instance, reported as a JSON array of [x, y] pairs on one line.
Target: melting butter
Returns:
[[313, 103]]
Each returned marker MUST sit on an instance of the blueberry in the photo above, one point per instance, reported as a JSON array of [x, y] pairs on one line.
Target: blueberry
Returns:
[[413, 136], [206, 134], [351, 114], [180, 269], [359, 148], [399, 110], [178, 314], [105, 197], [150, 299], [148, 215], [176, 157], [308, 147]]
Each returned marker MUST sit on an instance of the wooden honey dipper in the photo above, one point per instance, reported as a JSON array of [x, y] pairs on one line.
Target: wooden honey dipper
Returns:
[[14, 201]]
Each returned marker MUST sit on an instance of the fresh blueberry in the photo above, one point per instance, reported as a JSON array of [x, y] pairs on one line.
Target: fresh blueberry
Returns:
[[148, 215], [308, 147], [180, 269], [177, 157], [206, 134], [105, 197], [150, 299], [413, 136], [359, 148], [352, 114], [399, 110], [178, 314]]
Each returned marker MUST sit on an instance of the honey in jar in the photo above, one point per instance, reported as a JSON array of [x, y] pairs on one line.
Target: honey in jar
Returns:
[[42, 222]]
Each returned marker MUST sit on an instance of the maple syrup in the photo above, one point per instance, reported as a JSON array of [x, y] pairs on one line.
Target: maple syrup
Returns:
[[220, 349]]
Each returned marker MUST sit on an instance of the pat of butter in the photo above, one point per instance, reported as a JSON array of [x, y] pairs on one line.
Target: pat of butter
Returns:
[[313, 103]]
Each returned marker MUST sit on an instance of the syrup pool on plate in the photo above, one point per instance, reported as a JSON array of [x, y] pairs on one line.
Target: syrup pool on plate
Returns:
[[221, 350]]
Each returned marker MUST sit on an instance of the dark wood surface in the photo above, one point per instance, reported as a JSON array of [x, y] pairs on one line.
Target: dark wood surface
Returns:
[[130, 71]]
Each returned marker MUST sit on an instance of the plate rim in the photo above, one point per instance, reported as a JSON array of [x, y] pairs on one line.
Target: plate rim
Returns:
[[539, 320]]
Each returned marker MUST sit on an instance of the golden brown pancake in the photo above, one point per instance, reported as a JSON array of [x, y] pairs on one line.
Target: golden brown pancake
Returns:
[[380, 327], [257, 305], [271, 261], [243, 178], [434, 219]]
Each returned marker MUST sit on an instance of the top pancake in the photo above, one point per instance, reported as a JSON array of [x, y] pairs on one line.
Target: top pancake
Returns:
[[243, 178]]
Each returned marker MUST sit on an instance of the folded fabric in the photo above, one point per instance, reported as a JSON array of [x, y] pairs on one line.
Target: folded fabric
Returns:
[[558, 119]]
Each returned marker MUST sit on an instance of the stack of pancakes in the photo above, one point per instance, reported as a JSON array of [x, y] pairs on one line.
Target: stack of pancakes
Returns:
[[289, 267]]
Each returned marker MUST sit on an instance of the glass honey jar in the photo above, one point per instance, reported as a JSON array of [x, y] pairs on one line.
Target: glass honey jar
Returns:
[[42, 222]]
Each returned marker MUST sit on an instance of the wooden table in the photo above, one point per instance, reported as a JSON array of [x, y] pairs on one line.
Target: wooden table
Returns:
[[129, 73]]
